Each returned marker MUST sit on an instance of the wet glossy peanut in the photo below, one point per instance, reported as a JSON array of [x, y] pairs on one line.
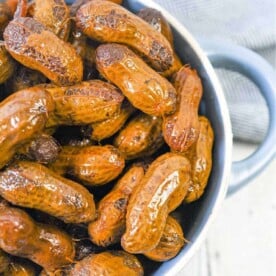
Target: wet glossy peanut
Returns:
[[171, 242], [55, 15], [84, 103], [93, 165], [200, 155], [43, 149], [115, 263], [109, 22], [20, 268], [141, 137], [148, 209], [4, 261], [32, 185], [23, 115], [181, 129], [33, 45], [107, 128], [45, 245], [144, 88], [110, 223], [7, 65]]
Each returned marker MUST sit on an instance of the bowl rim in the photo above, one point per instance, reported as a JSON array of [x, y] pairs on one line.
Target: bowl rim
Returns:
[[181, 260]]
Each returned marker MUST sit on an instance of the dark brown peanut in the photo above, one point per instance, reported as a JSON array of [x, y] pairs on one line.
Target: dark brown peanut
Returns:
[[147, 210], [84, 103], [109, 22], [23, 115], [200, 155], [7, 65], [107, 128], [108, 263], [141, 137], [171, 242], [144, 88], [93, 165], [181, 129], [31, 44], [43, 149], [55, 15], [45, 245], [32, 185], [110, 224]]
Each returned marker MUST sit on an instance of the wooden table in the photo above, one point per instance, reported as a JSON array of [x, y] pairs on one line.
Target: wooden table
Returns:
[[242, 240]]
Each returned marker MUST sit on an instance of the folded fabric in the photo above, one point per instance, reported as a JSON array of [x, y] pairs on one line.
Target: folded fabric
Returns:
[[249, 23]]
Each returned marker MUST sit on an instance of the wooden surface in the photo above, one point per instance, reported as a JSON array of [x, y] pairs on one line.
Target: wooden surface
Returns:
[[242, 240]]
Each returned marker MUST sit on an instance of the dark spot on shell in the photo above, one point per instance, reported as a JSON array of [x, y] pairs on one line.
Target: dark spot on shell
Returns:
[[110, 53], [59, 12], [31, 24], [15, 37], [120, 204], [162, 58]]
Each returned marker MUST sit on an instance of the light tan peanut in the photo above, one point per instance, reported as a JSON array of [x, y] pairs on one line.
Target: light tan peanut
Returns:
[[147, 210], [144, 88], [109, 226], [200, 155], [32, 185]]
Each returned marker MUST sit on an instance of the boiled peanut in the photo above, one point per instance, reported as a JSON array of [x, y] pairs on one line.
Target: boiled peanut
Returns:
[[45, 245], [181, 129], [43, 149], [32, 185], [109, 226], [200, 155], [108, 22], [31, 44], [115, 263], [144, 88], [93, 165], [107, 128], [84, 103], [171, 242], [55, 15], [23, 115], [7, 65], [141, 137], [147, 210]]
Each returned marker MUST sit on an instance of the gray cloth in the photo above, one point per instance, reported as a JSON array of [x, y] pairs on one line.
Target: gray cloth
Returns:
[[249, 23]]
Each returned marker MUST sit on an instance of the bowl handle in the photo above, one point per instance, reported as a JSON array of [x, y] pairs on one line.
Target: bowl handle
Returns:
[[242, 60]]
